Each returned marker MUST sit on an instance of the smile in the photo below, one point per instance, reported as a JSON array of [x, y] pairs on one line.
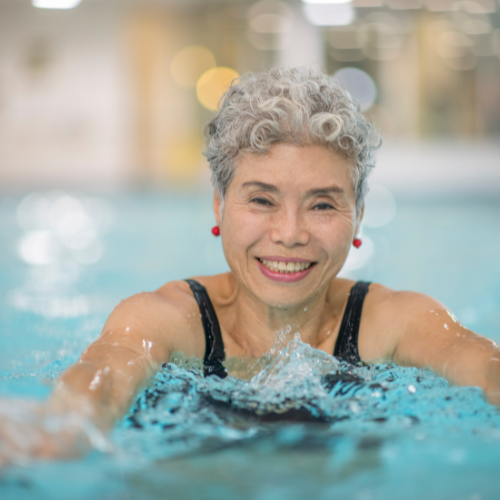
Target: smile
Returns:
[[279, 270], [286, 267]]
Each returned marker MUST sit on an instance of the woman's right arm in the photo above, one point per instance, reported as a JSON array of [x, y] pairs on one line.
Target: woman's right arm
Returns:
[[112, 370], [137, 338]]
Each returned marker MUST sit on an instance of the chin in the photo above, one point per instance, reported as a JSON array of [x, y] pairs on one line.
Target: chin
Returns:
[[282, 297]]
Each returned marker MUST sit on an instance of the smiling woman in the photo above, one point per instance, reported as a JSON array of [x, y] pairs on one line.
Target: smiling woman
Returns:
[[290, 153], [288, 223]]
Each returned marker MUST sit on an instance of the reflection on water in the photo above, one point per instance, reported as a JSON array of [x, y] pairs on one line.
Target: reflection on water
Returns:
[[60, 225], [62, 233]]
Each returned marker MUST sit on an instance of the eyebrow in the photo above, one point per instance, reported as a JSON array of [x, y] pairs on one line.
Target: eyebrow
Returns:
[[312, 192], [325, 191], [261, 185]]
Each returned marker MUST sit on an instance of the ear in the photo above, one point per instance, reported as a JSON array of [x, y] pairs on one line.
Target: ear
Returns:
[[216, 206]]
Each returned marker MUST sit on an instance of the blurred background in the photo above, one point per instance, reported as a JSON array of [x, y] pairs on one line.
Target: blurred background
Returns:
[[106, 94], [104, 191]]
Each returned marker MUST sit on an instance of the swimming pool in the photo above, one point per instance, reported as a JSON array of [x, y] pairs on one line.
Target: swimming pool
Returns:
[[356, 433]]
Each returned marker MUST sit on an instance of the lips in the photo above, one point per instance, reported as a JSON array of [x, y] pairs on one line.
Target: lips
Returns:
[[285, 269]]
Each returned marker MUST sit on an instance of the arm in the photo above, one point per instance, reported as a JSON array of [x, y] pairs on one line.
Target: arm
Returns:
[[112, 370], [137, 338], [427, 335]]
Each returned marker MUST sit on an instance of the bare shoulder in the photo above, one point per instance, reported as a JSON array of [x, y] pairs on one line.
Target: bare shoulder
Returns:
[[221, 288], [176, 295], [167, 319], [172, 299], [388, 315], [382, 296], [420, 331]]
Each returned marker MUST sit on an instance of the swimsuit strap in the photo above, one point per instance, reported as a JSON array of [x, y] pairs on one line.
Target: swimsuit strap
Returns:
[[214, 351], [346, 347]]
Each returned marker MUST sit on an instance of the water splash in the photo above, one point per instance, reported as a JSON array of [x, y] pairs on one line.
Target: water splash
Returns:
[[298, 393]]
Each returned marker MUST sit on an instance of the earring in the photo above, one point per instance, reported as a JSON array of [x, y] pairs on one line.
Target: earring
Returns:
[[357, 242], [216, 231]]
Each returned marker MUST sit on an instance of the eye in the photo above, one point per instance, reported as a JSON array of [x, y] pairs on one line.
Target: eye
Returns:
[[262, 201], [323, 206]]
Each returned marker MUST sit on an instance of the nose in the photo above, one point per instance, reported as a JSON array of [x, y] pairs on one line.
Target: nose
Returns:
[[289, 229]]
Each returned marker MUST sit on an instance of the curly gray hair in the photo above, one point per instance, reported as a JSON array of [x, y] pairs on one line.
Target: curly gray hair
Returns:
[[293, 105]]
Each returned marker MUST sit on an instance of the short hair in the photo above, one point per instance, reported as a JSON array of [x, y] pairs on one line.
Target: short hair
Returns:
[[298, 106]]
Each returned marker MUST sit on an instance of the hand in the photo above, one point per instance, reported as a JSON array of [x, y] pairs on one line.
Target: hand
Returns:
[[29, 430]]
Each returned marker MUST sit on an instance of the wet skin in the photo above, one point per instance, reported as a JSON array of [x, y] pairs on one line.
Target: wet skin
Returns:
[[293, 204]]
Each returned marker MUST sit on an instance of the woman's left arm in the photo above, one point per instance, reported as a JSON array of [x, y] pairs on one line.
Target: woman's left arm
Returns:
[[426, 334]]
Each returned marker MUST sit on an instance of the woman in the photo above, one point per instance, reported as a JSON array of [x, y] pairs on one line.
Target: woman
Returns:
[[290, 154]]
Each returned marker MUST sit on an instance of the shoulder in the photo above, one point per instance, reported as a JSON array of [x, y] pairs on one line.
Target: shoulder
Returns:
[[221, 288], [389, 316], [385, 303], [380, 299], [174, 294], [173, 297], [168, 317]]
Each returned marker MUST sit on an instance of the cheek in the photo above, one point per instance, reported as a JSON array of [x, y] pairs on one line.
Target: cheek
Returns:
[[241, 230], [335, 236], [243, 220]]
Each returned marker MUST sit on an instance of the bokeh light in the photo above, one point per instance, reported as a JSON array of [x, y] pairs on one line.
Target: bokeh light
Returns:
[[266, 7], [86, 248], [345, 37], [404, 4], [329, 14], [56, 4], [61, 226], [213, 84], [457, 50], [270, 23], [40, 248], [440, 5], [268, 20], [380, 206], [360, 84], [345, 43], [326, 1], [190, 63], [382, 35]]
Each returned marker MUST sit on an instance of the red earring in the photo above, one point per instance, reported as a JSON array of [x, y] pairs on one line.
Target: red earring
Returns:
[[216, 231], [357, 242]]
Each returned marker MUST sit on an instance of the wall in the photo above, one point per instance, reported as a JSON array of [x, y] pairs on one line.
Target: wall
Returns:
[[64, 96]]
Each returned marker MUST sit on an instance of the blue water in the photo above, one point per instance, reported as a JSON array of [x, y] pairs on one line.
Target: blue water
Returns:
[[297, 425]]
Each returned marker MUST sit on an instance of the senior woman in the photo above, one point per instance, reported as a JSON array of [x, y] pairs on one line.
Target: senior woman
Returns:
[[290, 155]]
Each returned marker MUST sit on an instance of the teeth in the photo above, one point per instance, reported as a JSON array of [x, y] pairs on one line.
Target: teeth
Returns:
[[286, 267]]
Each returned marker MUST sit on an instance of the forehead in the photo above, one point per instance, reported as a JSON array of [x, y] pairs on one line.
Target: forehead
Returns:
[[285, 165]]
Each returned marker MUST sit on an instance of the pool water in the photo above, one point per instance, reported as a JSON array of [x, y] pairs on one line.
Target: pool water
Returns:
[[304, 425]]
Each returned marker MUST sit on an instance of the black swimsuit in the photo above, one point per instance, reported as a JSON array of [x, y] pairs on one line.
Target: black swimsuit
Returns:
[[346, 347]]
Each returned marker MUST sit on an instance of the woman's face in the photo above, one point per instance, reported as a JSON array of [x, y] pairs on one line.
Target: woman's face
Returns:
[[288, 222]]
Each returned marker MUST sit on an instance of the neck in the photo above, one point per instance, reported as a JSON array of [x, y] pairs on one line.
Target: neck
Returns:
[[257, 322]]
